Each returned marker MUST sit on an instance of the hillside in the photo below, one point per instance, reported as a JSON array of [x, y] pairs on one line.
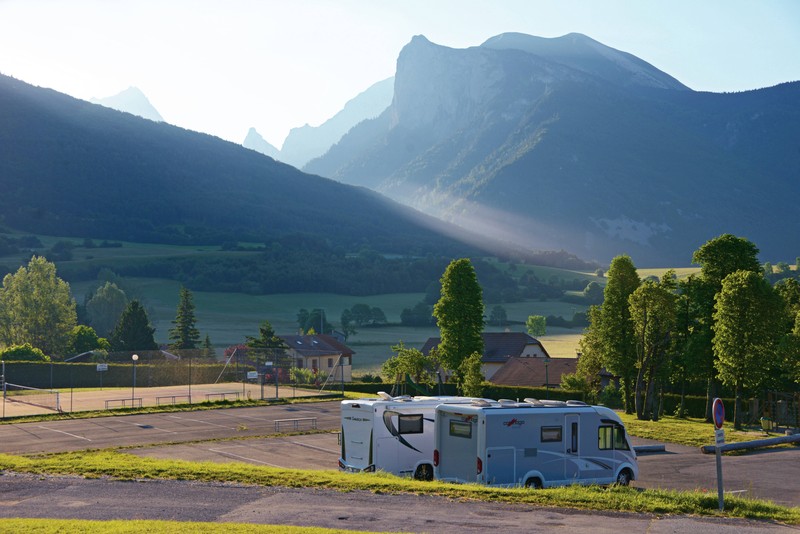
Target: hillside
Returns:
[[567, 143], [71, 168]]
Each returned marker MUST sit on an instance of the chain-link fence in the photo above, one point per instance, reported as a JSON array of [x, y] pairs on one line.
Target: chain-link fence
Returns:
[[157, 377]]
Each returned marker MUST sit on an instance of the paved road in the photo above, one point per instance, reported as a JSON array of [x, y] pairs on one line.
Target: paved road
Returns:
[[114, 431], [100, 499], [770, 474]]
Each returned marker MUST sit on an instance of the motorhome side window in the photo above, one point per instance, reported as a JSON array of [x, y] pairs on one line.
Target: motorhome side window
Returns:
[[410, 424], [620, 443], [551, 433], [611, 437]]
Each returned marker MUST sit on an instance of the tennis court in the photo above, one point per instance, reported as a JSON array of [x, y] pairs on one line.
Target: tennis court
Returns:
[[33, 402]]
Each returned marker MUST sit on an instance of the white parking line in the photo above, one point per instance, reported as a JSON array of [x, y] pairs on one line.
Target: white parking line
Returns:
[[62, 432], [314, 447], [230, 454], [199, 421]]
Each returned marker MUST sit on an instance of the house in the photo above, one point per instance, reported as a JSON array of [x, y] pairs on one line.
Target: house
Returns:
[[534, 372], [321, 353], [498, 348]]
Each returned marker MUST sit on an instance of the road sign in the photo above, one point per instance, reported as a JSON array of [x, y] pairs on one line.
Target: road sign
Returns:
[[719, 436], [718, 411], [102, 367]]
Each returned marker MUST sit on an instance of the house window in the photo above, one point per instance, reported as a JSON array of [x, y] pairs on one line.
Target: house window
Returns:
[[330, 363], [299, 363], [314, 363], [551, 434], [410, 424]]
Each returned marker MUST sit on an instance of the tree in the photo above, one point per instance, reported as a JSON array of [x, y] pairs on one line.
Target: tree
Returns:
[[614, 336], [208, 348], [346, 320], [471, 376], [376, 316], [747, 327], [409, 361], [420, 315], [536, 325], [23, 353], [593, 293], [105, 308], [498, 317], [459, 313], [361, 314], [725, 254], [84, 339], [718, 258], [314, 320], [652, 309], [37, 307], [184, 335], [267, 339], [133, 331]]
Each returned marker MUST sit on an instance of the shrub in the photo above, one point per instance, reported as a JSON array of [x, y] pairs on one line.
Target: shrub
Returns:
[[23, 353]]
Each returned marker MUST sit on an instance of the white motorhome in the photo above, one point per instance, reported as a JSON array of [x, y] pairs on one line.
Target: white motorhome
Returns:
[[532, 443], [393, 434]]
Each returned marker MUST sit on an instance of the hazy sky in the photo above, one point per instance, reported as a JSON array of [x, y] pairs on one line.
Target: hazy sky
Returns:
[[224, 66]]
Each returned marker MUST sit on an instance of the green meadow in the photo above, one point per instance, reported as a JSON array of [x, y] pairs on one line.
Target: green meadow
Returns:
[[228, 318]]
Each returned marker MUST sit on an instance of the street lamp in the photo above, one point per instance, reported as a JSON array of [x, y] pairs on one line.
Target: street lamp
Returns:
[[135, 357]]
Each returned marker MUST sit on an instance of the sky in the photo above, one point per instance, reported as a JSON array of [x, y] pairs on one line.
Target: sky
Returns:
[[223, 66]]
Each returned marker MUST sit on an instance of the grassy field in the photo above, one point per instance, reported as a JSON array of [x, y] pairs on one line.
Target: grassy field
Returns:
[[229, 317]]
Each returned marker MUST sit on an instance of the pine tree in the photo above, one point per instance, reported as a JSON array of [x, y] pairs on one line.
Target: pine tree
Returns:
[[133, 331], [184, 335]]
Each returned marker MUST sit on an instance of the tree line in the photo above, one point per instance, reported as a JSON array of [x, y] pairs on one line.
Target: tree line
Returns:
[[726, 327]]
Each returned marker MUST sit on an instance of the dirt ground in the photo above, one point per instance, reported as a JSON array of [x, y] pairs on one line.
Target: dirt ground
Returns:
[[79, 400]]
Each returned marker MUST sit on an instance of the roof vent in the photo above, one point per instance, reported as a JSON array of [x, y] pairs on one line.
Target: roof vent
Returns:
[[384, 396]]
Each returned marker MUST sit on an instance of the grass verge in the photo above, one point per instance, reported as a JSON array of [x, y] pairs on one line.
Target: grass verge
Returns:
[[689, 432], [119, 465], [47, 526]]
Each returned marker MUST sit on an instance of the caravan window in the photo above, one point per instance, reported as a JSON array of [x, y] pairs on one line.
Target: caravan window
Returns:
[[551, 433], [460, 430], [410, 424], [611, 437]]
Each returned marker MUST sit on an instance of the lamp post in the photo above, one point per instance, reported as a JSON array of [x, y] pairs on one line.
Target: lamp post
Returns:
[[135, 357]]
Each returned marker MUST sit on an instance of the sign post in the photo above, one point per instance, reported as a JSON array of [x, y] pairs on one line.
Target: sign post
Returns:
[[718, 411]]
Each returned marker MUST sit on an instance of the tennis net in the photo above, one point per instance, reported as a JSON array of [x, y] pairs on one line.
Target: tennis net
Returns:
[[44, 398]]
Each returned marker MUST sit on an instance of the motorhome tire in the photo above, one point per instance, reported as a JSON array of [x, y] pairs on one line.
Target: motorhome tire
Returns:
[[624, 477], [533, 483], [424, 472]]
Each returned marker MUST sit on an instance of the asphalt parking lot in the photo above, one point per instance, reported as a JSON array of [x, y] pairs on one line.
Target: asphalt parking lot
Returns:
[[772, 474]]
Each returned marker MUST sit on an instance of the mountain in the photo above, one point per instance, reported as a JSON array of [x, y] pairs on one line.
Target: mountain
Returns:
[[71, 168], [567, 143], [254, 141], [308, 142], [132, 101]]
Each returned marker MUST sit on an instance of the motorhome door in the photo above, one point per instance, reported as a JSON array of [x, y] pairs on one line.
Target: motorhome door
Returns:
[[572, 452]]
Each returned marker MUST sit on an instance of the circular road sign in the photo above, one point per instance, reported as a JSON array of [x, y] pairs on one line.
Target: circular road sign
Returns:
[[718, 411]]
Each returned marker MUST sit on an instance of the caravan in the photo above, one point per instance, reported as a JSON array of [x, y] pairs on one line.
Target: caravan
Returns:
[[532, 443], [393, 434]]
